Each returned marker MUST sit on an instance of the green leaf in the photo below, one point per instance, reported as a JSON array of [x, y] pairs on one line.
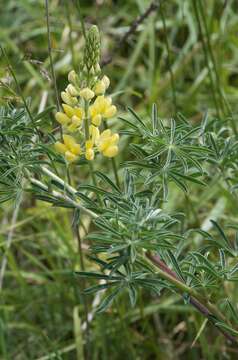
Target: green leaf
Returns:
[[107, 301]]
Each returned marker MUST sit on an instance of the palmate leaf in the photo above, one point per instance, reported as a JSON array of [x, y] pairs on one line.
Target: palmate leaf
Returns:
[[21, 151]]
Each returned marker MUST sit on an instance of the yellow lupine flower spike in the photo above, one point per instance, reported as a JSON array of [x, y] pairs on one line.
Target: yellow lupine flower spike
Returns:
[[85, 105]]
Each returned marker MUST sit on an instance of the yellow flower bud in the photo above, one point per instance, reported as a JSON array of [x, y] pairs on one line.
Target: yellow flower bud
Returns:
[[110, 112], [99, 88], [86, 94], [72, 128], [111, 151], [94, 133], [72, 90], [97, 68], [88, 144], [59, 147], [69, 111], [115, 138], [108, 101], [106, 133], [76, 120], [68, 99], [92, 71], [107, 143], [70, 157], [89, 154], [69, 141], [106, 81], [62, 118], [96, 120], [72, 76], [79, 112], [76, 149]]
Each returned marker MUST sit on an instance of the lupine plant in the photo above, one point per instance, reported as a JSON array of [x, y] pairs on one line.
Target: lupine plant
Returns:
[[136, 242]]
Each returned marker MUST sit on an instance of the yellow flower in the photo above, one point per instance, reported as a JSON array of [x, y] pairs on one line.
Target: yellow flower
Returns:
[[86, 94], [68, 99], [72, 76], [59, 147], [110, 112], [71, 144], [99, 87], [70, 111], [70, 157], [106, 81], [62, 118], [89, 152], [94, 133], [71, 90], [107, 143], [102, 106], [72, 118], [96, 120], [69, 148]]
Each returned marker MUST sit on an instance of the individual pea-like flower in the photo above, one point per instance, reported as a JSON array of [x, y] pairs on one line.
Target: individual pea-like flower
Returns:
[[102, 108], [72, 77], [107, 143], [101, 85], [89, 152], [71, 119], [69, 99], [86, 94], [69, 148]]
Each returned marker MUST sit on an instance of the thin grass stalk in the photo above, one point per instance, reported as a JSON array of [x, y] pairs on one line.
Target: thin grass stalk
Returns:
[[71, 43], [219, 87], [206, 59], [169, 59]]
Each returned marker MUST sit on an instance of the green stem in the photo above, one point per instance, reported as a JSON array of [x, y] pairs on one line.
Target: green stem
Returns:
[[64, 197], [114, 167], [83, 286]]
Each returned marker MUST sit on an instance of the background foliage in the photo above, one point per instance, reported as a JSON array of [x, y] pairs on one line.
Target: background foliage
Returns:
[[182, 57]]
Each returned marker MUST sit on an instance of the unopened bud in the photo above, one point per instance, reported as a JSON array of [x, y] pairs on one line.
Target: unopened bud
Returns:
[[68, 99], [72, 90], [110, 112], [106, 81], [111, 151], [86, 94], [62, 118], [99, 87], [72, 77]]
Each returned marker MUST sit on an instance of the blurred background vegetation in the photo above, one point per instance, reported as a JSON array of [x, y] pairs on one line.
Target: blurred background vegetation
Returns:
[[184, 57]]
